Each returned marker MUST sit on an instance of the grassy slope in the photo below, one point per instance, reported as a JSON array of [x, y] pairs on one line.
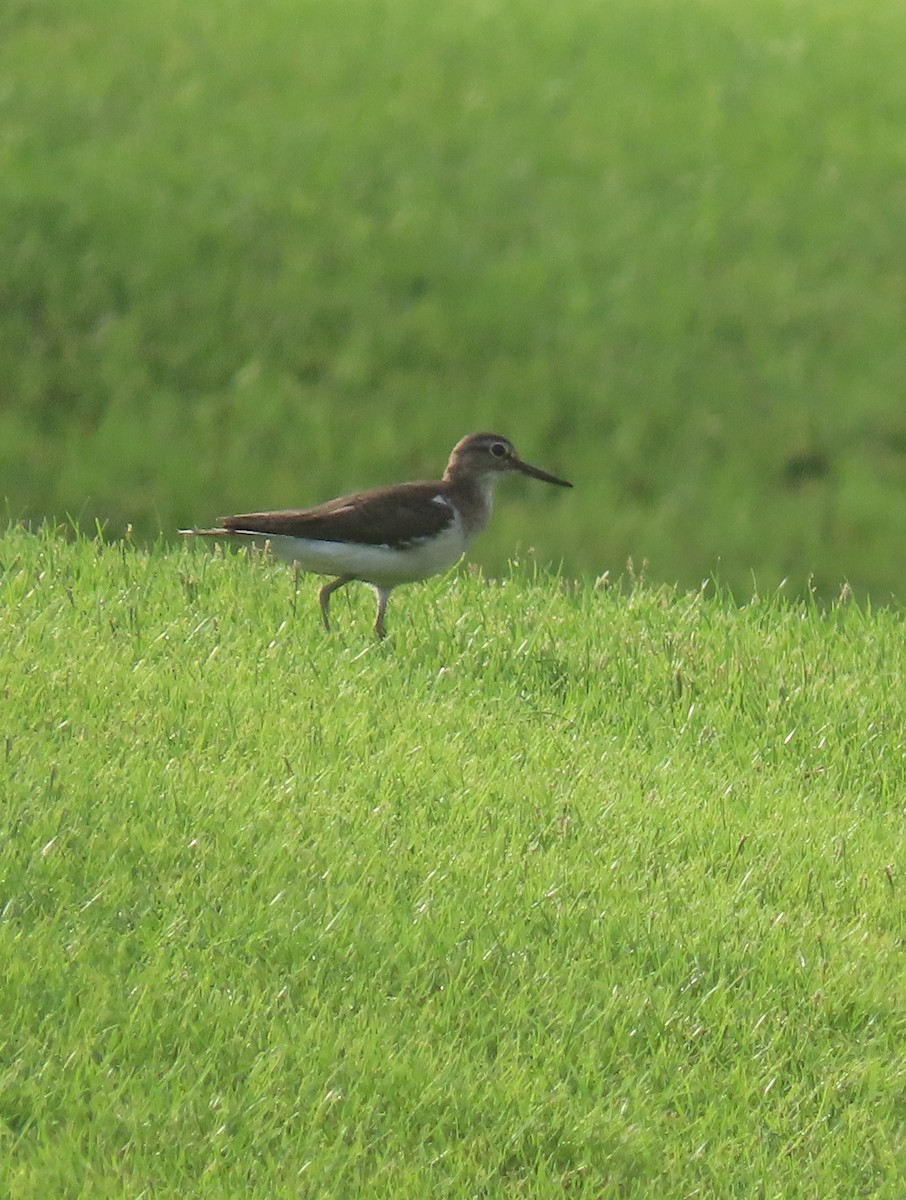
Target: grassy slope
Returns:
[[558, 891], [658, 243]]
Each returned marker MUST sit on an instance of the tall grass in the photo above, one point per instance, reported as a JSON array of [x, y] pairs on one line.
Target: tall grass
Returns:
[[560, 891]]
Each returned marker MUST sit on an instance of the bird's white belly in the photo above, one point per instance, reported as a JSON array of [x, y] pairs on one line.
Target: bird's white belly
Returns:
[[383, 565]]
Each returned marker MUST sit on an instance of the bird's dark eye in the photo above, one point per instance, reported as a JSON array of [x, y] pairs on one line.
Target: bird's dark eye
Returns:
[[498, 450]]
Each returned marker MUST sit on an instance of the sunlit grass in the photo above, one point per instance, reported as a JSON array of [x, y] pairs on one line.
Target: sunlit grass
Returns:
[[560, 890], [259, 256]]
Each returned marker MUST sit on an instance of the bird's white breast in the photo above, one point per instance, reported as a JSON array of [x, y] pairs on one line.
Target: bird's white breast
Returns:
[[386, 566]]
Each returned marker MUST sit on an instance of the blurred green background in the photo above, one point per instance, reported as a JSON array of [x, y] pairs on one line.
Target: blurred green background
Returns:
[[258, 255]]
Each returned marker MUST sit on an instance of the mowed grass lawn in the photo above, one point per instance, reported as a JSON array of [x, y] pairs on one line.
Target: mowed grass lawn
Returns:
[[258, 256], [561, 890]]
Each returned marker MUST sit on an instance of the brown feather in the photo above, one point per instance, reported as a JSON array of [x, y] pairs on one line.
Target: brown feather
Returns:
[[386, 516]]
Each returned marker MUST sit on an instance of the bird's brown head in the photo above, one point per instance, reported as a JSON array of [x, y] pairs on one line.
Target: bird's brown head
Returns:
[[487, 455]]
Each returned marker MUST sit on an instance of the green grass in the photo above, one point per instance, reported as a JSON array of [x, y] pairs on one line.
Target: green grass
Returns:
[[561, 891], [260, 256]]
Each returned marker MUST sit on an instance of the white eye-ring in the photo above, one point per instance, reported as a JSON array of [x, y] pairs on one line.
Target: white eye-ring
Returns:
[[498, 450]]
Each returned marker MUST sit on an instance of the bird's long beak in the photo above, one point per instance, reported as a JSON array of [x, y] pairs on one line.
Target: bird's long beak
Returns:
[[537, 473]]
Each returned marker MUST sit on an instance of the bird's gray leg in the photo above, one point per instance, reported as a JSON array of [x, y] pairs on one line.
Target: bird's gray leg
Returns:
[[326, 592], [383, 596]]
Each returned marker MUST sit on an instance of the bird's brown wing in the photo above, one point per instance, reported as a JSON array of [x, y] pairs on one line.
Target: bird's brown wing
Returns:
[[391, 516]]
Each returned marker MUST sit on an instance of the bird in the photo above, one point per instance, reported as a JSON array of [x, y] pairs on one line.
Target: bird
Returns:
[[388, 536]]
